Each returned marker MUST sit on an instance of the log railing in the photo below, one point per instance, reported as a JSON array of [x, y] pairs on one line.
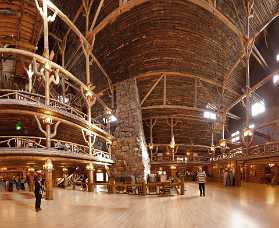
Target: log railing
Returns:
[[176, 159], [266, 149], [156, 188], [24, 142], [26, 97]]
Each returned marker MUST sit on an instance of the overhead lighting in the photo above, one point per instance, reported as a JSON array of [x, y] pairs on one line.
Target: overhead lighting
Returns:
[[276, 79], [172, 143], [258, 108], [248, 132], [209, 115]]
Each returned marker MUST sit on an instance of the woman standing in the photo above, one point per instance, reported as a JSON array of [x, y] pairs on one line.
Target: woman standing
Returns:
[[38, 193]]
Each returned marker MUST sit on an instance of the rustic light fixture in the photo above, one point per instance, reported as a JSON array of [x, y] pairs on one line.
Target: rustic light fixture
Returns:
[[48, 165], [172, 143], [151, 146], [90, 167], [65, 170], [48, 119], [31, 169], [223, 143]]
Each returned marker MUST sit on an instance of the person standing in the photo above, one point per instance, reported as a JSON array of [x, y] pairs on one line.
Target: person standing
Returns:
[[201, 177], [38, 193]]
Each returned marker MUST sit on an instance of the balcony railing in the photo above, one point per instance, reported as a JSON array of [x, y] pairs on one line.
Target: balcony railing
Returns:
[[26, 97], [267, 149], [24, 142], [176, 159]]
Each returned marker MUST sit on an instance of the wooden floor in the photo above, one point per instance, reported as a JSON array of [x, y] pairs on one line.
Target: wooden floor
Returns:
[[252, 205]]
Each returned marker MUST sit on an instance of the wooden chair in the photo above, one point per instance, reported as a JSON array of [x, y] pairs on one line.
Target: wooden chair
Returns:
[[152, 188]]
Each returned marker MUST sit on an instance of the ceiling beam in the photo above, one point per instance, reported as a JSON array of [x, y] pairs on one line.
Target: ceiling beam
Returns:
[[186, 75], [253, 89], [151, 89], [182, 107]]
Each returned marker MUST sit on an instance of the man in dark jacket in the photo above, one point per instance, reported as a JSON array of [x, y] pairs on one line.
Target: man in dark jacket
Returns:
[[38, 193]]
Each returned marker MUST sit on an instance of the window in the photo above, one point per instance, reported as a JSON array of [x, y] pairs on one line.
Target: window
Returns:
[[235, 133], [276, 79], [209, 115], [258, 108], [99, 177], [235, 137], [252, 126]]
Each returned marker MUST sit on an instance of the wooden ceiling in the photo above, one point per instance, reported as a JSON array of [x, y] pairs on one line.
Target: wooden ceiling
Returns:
[[196, 44]]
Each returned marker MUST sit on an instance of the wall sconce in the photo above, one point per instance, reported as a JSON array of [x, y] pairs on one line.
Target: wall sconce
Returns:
[[223, 143], [48, 119], [271, 165], [150, 146], [90, 167], [48, 165], [212, 148], [88, 93], [31, 169], [4, 169], [65, 170], [173, 167]]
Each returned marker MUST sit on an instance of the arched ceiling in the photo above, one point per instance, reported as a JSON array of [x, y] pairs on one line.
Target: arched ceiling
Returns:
[[196, 44]]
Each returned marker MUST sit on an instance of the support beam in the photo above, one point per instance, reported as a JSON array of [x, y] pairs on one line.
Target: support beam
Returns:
[[253, 88], [151, 89], [186, 75], [184, 108]]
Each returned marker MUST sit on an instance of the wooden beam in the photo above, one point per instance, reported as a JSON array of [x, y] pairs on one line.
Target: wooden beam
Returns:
[[196, 93], [79, 11], [253, 88], [165, 91], [151, 89], [239, 59], [96, 15], [186, 75], [182, 107]]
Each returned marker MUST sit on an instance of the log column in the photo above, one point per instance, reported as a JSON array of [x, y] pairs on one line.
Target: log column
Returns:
[[90, 170], [49, 182]]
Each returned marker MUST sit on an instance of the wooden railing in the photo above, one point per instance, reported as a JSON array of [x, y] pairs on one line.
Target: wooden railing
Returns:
[[156, 188], [65, 146], [38, 99], [176, 159], [267, 149]]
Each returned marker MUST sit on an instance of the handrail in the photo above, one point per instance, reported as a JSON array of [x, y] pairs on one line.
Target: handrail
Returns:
[[62, 106], [56, 144]]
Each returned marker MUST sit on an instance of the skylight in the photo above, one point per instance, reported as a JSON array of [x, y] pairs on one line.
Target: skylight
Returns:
[[258, 108], [209, 115]]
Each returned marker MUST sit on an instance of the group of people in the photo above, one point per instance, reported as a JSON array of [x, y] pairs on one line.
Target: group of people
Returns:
[[13, 184], [229, 177], [18, 183]]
